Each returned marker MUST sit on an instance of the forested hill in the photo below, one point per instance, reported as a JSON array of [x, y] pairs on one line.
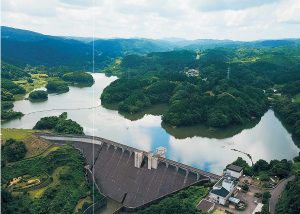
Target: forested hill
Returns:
[[209, 97], [123, 47], [21, 47]]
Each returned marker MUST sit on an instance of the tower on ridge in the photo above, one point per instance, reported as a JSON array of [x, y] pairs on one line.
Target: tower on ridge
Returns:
[[228, 71]]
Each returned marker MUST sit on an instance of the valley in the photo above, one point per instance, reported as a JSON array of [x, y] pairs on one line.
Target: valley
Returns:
[[208, 102]]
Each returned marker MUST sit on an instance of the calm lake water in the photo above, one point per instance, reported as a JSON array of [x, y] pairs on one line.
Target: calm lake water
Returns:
[[264, 138]]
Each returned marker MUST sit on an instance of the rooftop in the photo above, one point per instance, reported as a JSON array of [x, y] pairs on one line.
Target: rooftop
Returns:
[[205, 205], [221, 192], [161, 148], [234, 200], [234, 168]]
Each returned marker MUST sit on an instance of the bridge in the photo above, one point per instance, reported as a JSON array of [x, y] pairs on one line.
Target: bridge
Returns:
[[131, 176]]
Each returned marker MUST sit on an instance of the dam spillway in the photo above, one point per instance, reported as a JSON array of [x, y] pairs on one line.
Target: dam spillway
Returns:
[[125, 174]]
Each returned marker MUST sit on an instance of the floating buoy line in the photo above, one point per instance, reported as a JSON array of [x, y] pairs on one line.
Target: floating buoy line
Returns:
[[63, 109]]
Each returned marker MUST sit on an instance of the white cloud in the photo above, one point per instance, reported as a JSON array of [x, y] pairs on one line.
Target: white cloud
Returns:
[[192, 19], [219, 5], [46, 8], [289, 12]]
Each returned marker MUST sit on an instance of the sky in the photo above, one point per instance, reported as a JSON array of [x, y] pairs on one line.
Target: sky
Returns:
[[243, 20]]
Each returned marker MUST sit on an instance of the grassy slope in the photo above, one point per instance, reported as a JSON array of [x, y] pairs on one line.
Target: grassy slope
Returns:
[[34, 144], [297, 98]]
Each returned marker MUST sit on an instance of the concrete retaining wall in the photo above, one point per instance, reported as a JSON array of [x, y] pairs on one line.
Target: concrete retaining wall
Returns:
[[156, 201], [91, 209]]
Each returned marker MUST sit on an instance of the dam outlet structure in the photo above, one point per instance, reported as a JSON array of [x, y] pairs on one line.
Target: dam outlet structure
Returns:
[[133, 177]]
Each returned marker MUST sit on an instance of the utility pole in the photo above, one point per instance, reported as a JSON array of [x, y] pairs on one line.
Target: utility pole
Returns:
[[228, 71]]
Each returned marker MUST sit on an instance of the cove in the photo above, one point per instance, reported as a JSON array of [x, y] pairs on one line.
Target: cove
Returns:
[[263, 138]]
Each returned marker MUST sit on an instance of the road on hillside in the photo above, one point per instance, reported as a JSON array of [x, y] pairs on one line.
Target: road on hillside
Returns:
[[276, 192]]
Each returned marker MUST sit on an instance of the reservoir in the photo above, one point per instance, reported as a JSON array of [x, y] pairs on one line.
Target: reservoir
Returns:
[[266, 138]]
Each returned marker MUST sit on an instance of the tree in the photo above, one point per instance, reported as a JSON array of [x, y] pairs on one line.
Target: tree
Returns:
[[266, 195], [14, 150], [39, 94], [68, 127], [261, 165], [245, 187], [297, 158], [281, 169], [29, 80]]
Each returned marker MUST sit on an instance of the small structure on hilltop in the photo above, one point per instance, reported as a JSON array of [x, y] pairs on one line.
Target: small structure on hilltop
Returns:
[[192, 73], [223, 189], [235, 171]]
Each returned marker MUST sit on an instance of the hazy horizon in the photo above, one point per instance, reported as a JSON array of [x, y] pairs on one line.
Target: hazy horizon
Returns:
[[164, 38]]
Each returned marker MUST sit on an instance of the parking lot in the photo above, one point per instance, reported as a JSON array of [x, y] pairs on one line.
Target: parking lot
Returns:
[[247, 197]]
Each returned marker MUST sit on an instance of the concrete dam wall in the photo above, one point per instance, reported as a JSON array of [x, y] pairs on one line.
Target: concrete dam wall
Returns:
[[131, 176]]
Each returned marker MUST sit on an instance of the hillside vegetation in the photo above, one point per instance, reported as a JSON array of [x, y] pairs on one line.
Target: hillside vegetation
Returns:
[[59, 124], [289, 202], [53, 183]]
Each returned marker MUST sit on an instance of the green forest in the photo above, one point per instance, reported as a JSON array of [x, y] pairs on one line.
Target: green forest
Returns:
[[61, 184], [290, 111], [77, 77], [212, 96], [289, 201], [262, 169], [39, 94], [59, 124], [8, 90]]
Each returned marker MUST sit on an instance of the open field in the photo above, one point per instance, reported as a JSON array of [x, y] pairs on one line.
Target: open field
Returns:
[[34, 144], [218, 212], [297, 98], [37, 83], [37, 193], [17, 134]]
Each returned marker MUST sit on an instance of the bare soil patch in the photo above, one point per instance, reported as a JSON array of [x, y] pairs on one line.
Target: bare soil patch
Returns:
[[31, 181], [36, 145], [15, 180]]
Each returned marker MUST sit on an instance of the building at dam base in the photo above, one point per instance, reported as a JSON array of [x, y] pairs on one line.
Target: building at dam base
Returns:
[[131, 176]]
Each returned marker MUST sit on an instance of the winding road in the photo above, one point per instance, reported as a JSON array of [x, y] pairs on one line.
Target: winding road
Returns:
[[276, 192]]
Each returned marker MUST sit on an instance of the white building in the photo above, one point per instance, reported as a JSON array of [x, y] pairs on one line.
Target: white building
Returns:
[[192, 72], [223, 189], [235, 171]]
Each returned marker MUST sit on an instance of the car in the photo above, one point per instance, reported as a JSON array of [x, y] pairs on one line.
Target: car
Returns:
[[255, 202]]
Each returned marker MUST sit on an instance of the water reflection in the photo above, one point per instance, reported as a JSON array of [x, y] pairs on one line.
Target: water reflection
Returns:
[[157, 109], [202, 130], [83, 85], [289, 129], [38, 100], [268, 140]]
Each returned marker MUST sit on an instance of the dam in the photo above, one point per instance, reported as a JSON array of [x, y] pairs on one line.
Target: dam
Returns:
[[130, 176]]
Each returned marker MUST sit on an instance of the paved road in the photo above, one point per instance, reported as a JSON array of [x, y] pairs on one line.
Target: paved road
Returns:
[[276, 192]]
